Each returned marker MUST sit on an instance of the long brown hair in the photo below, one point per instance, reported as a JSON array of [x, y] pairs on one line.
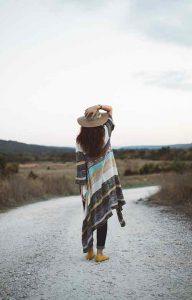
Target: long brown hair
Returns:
[[91, 140]]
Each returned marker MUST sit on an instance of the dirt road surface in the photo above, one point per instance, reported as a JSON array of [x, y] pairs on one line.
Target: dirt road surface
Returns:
[[41, 254]]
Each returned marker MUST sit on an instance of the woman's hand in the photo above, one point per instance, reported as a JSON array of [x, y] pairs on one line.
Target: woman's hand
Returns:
[[91, 110], [81, 192]]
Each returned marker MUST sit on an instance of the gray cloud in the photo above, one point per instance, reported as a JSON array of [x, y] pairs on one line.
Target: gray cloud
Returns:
[[168, 21], [181, 80]]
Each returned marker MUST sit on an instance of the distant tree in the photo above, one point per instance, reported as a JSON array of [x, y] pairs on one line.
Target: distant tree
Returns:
[[2, 162], [164, 150], [2, 165]]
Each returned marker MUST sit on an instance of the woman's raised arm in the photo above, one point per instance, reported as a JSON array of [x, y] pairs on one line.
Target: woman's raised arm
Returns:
[[107, 108], [93, 109]]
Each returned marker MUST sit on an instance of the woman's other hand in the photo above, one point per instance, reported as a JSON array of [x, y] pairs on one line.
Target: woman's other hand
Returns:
[[108, 109]]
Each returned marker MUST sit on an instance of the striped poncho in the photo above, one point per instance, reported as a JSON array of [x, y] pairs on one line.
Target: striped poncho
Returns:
[[101, 187]]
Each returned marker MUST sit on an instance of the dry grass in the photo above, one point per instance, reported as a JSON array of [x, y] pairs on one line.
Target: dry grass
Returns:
[[19, 189], [176, 191], [133, 164], [57, 179], [135, 180]]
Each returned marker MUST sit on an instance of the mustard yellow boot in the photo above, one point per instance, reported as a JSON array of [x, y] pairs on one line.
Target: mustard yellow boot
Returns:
[[101, 257], [90, 255]]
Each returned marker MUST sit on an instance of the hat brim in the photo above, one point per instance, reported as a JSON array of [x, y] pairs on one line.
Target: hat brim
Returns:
[[83, 121]]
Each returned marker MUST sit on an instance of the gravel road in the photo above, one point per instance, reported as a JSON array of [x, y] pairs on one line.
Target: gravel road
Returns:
[[41, 255]]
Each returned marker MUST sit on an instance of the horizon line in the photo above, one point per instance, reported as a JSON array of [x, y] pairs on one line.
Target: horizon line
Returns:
[[123, 146]]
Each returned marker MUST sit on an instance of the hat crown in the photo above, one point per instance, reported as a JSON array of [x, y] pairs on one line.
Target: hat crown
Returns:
[[94, 117], [93, 120]]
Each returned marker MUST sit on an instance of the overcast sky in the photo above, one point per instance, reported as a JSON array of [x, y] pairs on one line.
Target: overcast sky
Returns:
[[59, 57]]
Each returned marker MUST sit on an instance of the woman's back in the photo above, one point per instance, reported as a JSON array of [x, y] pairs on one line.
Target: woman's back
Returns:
[[101, 185]]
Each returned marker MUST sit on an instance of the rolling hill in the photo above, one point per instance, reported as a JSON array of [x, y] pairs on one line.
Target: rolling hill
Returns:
[[14, 147], [156, 147]]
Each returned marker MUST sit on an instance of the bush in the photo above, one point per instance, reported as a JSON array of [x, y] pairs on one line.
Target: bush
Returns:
[[129, 172], [2, 165], [150, 168], [11, 168], [178, 166]]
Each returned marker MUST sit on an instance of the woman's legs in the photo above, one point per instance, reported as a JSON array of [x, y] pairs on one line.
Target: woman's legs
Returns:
[[101, 237]]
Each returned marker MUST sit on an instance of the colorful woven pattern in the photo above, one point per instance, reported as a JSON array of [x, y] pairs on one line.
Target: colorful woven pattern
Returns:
[[101, 186]]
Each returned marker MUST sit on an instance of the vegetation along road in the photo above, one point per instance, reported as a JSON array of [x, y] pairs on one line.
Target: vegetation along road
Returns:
[[41, 255]]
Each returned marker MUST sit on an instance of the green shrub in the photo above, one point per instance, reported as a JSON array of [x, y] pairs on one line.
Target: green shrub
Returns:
[[129, 172], [150, 168], [178, 166], [11, 168]]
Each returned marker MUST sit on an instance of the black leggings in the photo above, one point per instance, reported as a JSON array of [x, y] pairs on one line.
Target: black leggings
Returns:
[[101, 234]]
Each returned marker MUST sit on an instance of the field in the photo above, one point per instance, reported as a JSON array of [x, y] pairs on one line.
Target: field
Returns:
[[57, 170], [25, 182], [43, 180]]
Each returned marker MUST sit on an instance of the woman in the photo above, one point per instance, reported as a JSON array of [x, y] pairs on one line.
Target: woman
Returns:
[[97, 177]]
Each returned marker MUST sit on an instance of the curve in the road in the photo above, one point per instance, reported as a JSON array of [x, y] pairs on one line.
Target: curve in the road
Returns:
[[41, 254]]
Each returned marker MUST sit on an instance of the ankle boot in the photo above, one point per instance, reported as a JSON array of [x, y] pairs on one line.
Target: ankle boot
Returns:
[[101, 257], [90, 255]]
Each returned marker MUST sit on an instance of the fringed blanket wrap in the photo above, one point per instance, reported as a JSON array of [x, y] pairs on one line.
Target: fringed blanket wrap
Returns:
[[101, 187]]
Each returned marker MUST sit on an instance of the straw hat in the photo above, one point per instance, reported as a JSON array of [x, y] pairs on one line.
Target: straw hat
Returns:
[[93, 121]]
